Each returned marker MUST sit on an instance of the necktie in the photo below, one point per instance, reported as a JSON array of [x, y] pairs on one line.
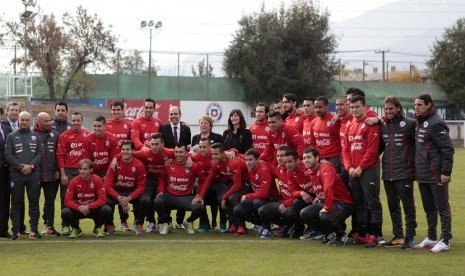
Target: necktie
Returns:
[[175, 135], [14, 127], [1, 136]]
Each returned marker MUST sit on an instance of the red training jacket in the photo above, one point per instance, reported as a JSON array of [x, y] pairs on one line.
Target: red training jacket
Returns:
[[178, 180], [126, 177], [326, 137], [263, 183], [296, 120], [101, 150], [142, 130], [299, 180], [306, 132], [121, 129], [86, 192], [71, 148], [284, 136], [154, 162], [259, 135]]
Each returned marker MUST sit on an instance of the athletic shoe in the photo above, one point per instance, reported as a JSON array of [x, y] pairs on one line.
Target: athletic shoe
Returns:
[[223, 228], [75, 232], [66, 230], [254, 227], [296, 233], [408, 244], [266, 234], [232, 229], [50, 231], [179, 226], [24, 232], [34, 235], [441, 246], [357, 239], [282, 231], [340, 241], [110, 230], [381, 240], [166, 228], [98, 232], [139, 229], [124, 226], [214, 226], [426, 243], [371, 241], [203, 229], [395, 242], [152, 228], [189, 226], [311, 234], [15, 236], [159, 227], [328, 238], [241, 230]]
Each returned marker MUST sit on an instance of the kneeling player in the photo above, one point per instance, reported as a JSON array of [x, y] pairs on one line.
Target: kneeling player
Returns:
[[85, 198]]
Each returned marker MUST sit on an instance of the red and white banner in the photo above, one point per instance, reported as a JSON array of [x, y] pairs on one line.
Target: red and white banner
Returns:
[[135, 108]]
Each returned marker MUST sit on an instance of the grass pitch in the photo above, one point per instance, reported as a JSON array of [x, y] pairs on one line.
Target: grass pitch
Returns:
[[214, 253]]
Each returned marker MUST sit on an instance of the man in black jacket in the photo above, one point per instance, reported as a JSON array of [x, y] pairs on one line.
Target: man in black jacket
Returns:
[[434, 157], [176, 131]]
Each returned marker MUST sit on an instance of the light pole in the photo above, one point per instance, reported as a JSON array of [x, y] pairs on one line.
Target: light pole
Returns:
[[150, 25], [27, 15]]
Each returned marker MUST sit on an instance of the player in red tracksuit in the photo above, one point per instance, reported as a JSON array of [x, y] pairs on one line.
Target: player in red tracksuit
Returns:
[[125, 183], [117, 124], [85, 198], [333, 203], [70, 151], [263, 191], [360, 155], [154, 160], [325, 134], [260, 128], [281, 135], [294, 117], [142, 128], [175, 191], [309, 111], [234, 182], [100, 147]]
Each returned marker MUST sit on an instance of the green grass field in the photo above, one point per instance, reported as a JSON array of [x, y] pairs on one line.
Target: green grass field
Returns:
[[214, 253]]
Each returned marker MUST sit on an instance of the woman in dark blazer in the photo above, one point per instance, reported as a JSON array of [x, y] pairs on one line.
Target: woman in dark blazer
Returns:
[[237, 135]]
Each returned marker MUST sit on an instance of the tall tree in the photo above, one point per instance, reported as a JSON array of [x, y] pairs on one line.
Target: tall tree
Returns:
[[63, 52], [202, 70], [281, 51], [448, 65]]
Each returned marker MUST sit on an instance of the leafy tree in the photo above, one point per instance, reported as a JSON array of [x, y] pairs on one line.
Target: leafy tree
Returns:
[[63, 52], [448, 67], [131, 64], [281, 51], [202, 70]]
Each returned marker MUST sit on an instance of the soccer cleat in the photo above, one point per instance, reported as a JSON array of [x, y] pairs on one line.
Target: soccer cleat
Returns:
[[179, 226], [24, 232], [395, 242], [65, 231], [241, 230], [340, 241], [98, 232], [254, 227], [381, 240], [50, 231], [75, 232], [34, 235], [370, 241], [189, 226], [15, 236], [166, 228], [311, 234], [124, 226], [204, 229], [232, 229], [110, 230], [266, 234], [328, 238], [223, 228], [152, 228], [441, 246], [139, 229], [426, 243], [408, 243]]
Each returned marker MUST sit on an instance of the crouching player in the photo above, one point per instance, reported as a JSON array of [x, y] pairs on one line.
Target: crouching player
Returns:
[[175, 188], [332, 205], [264, 191], [85, 198]]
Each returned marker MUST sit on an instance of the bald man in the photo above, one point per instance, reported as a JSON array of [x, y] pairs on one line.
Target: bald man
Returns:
[[176, 131], [24, 152], [48, 170]]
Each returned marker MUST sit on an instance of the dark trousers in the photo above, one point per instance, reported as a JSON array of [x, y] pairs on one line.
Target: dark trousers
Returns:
[[269, 213], [147, 198], [332, 221], [4, 199], [139, 214], [397, 191], [32, 185], [248, 211], [435, 198], [213, 197], [167, 202], [100, 216], [50, 189], [365, 192], [70, 173], [233, 201]]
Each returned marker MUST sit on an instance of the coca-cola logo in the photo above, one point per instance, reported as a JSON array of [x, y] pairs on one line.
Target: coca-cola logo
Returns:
[[134, 109], [137, 112]]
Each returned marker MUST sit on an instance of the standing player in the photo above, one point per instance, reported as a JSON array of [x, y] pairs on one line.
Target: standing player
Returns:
[[260, 128], [294, 118], [142, 128], [69, 152], [310, 114], [60, 122], [85, 198], [434, 160], [117, 124]]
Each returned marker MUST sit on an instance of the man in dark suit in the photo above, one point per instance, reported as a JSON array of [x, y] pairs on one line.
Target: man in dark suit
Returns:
[[175, 127], [4, 183]]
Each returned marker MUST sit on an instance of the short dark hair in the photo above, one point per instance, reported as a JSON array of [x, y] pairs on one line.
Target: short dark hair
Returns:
[[292, 97], [313, 151], [203, 139], [267, 108], [13, 104], [158, 136], [150, 100], [1, 111], [311, 99], [101, 119], [78, 113], [278, 101], [128, 142], [292, 153], [218, 146], [358, 98], [181, 145], [252, 152], [322, 99], [354, 91], [284, 147], [63, 104], [426, 98], [275, 114], [118, 103]]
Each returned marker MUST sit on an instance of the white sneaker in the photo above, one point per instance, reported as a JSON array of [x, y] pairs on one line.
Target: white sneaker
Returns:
[[440, 247], [189, 226], [152, 228], [166, 228], [426, 243]]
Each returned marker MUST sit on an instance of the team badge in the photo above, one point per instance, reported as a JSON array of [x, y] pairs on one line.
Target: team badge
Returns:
[[107, 143], [283, 135], [33, 138], [156, 124], [363, 125], [297, 119], [215, 111], [12, 184], [91, 185], [133, 169], [84, 135], [187, 170], [51, 134], [402, 124], [425, 124], [328, 123], [125, 126], [68, 127], [256, 177]]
